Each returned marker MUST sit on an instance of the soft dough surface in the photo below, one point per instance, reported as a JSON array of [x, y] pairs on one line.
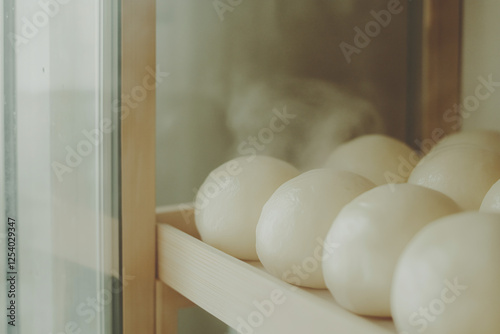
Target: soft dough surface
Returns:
[[295, 220], [463, 173], [371, 233], [379, 158], [229, 202], [491, 201], [447, 280]]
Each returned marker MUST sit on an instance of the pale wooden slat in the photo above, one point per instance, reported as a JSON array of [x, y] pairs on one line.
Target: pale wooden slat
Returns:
[[168, 304], [441, 60], [434, 70], [138, 38], [169, 301], [180, 216], [229, 288]]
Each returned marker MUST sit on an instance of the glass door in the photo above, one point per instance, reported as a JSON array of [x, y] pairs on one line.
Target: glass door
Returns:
[[60, 161], [235, 64]]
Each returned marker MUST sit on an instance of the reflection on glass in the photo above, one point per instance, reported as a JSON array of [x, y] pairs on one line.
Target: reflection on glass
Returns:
[[233, 63], [60, 151]]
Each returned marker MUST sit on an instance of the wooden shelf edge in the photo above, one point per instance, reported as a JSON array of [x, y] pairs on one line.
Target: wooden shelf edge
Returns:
[[180, 216], [244, 296]]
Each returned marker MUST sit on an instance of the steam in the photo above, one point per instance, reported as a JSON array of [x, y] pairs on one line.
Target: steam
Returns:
[[326, 115]]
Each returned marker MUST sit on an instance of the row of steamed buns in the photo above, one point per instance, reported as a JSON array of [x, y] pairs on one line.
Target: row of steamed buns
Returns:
[[384, 230]]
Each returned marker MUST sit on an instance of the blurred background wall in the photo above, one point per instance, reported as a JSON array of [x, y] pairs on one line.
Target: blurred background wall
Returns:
[[481, 58], [214, 54]]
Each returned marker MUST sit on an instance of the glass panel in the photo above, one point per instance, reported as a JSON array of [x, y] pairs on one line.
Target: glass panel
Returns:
[[61, 166], [233, 63]]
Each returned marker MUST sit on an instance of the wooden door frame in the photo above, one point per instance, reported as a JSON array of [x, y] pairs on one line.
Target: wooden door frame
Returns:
[[435, 47], [438, 88], [138, 221]]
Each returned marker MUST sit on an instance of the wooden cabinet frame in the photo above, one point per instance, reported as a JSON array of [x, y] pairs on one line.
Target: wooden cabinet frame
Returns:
[[138, 222], [434, 68], [148, 304]]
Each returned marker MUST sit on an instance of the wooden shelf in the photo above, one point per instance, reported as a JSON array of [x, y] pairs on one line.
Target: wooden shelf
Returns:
[[242, 294]]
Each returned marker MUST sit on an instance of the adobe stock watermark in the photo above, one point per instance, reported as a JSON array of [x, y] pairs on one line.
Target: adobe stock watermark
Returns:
[[223, 6], [428, 314], [485, 88], [89, 309], [31, 27], [95, 137], [296, 275], [264, 309], [250, 147], [372, 29]]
